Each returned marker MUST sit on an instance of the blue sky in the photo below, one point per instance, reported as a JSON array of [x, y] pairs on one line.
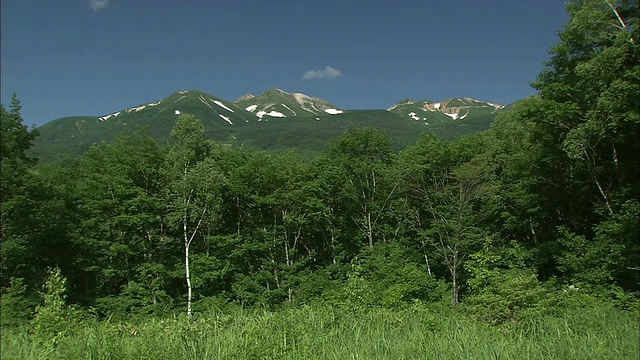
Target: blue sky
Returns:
[[94, 57]]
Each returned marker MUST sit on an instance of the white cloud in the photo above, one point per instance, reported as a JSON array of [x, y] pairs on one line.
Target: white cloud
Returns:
[[98, 5], [327, 73]]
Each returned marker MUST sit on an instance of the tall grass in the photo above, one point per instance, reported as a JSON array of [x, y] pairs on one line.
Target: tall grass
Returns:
[[320, 332]]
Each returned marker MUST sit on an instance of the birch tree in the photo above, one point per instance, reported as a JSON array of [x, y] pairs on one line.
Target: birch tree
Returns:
[[194, 188]]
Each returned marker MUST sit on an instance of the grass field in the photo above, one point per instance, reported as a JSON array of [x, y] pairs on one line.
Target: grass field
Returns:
[[317, 332]]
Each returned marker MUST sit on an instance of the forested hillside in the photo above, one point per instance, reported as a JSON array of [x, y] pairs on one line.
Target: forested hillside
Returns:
[[542, 208]]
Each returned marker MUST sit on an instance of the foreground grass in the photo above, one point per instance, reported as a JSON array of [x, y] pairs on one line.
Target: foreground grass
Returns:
[[326, 333]]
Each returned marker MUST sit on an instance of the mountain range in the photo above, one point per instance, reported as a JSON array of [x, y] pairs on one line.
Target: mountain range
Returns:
[[273, 120]]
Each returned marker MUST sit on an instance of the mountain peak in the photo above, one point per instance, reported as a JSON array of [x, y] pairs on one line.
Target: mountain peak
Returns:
[[276, 102], [246, 96], [196, 102], [275, 91]]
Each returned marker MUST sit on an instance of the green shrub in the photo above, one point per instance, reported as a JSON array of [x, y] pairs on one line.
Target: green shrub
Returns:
[[507, 294], [260, 290], [387, 275], [313, 286], [134, 299], [54, 318], [214, 305]]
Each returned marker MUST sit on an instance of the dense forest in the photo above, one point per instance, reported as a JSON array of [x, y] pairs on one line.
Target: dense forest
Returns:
[[544, 204]]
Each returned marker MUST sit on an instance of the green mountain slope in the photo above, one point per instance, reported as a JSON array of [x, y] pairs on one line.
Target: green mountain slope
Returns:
[[313, 133], [213, 111], [74, 135]]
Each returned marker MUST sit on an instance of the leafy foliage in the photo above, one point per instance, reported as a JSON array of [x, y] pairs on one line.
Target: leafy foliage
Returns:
[[54, 317]]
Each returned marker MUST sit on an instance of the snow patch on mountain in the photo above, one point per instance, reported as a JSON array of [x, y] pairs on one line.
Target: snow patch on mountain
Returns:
[[333, 111], [453, 116], [251, 108], [177, 112], [108, 116], [137, 108], [288, 108], [309, 103], [221, 105], [496, 106], [414, 116], [272, 113], [181, 97], [226, 119]]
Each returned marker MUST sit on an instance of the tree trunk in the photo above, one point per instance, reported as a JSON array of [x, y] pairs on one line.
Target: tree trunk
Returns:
[[186, 272], [454, 276], [186, 268], [369, 229], [286, 252], [286, 238], [187, 243], [426, 260]]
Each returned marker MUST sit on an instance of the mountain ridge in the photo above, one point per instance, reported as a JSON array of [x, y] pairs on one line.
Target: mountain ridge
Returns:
[[454, 108], [301, 121], [299, 98]]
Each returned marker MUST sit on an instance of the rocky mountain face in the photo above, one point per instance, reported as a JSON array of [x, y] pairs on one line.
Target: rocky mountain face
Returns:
[[244, 97]]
